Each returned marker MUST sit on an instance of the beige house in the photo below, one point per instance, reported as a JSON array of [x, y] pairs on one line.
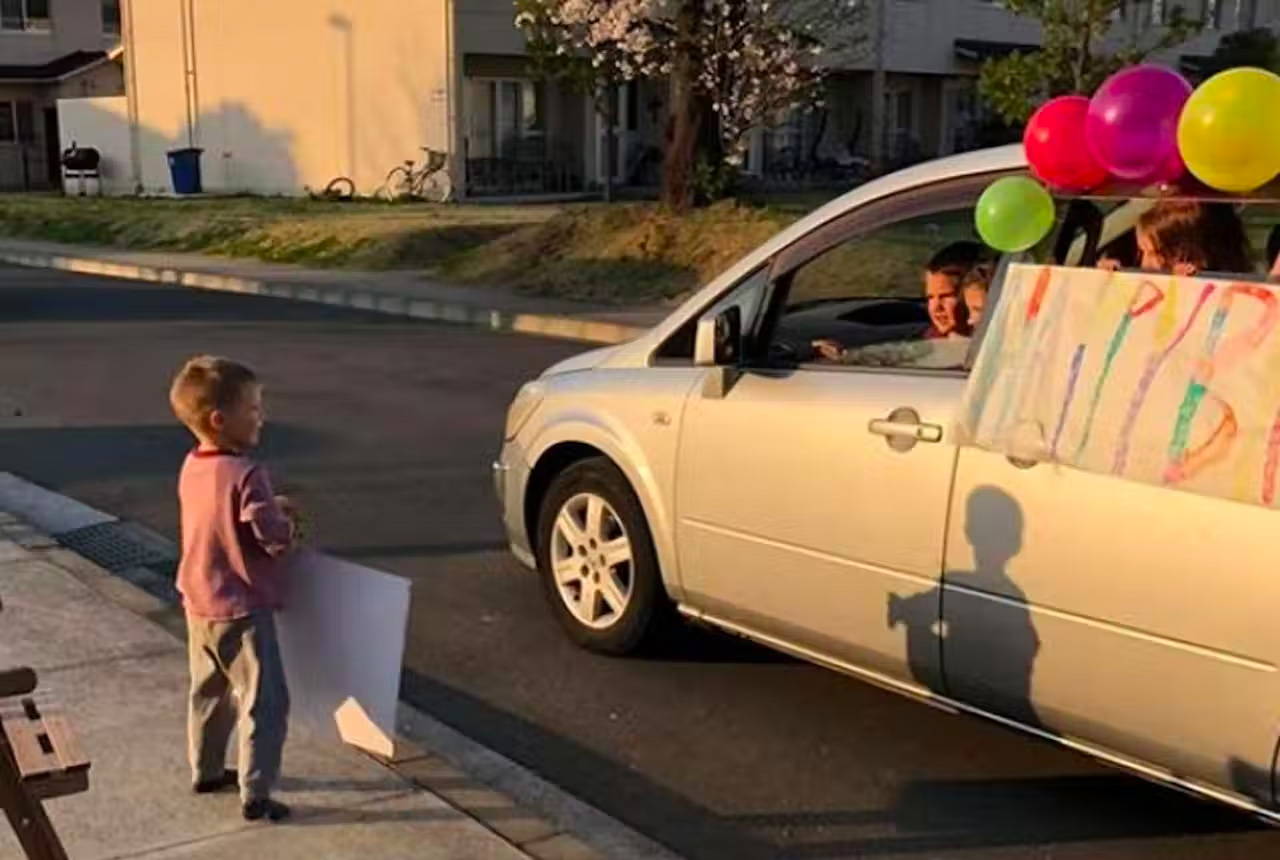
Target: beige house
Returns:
[[284, 96], [50, 50]]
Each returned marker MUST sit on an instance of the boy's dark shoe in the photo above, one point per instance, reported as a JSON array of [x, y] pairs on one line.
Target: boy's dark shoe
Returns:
[[228, 779], [265, 807]]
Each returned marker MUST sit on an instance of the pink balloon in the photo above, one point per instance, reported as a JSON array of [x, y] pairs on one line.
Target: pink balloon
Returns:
[[1052, 145], [1132, 128], [1173, 170]]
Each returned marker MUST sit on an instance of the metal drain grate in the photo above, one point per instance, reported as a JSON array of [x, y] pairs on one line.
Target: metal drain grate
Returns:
[[118, 546]]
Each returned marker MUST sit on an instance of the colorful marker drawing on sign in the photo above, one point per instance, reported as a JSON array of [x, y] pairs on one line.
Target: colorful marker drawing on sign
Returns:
[[1168, 380]]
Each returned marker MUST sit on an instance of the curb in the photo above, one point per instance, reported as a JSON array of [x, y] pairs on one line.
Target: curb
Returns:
[[132, 566], [393, 304]]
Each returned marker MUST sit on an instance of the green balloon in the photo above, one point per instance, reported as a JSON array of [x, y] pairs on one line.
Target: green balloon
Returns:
[[1014, 214]]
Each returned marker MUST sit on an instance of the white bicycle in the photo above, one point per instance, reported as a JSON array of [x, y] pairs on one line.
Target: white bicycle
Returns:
[[429, 181]]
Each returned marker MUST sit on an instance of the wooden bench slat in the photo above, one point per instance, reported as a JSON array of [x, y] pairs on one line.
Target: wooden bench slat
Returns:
[[27, 754], [65, 745], [58, 784]]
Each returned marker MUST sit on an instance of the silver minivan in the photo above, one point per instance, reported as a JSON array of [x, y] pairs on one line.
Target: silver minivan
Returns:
[[716, 468]]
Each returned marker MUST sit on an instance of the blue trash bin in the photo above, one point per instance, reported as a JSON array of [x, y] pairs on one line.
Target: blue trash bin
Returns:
[[184, 167]]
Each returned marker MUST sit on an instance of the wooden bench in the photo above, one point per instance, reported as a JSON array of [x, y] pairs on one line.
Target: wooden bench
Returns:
[[39, 759]]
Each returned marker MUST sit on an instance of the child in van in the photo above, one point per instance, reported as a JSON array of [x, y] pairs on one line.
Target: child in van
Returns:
[[974, 287], [1188, 237], [1120, 253]]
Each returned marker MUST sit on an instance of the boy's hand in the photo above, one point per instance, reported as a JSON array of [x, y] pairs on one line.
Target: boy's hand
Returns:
[[296, 523], [828, 349]]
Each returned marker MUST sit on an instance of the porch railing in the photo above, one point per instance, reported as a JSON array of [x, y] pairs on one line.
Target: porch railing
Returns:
[[532, 166]]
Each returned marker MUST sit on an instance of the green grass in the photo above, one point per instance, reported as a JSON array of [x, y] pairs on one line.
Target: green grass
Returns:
[[622, 253], [281, 230], [619, 253]]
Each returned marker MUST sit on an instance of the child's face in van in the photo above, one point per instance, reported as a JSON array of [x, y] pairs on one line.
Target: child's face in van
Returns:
[[975, 299], [1150, 259], [943, 293]]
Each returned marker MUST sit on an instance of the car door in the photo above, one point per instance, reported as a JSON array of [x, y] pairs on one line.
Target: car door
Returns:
[[1134, 617], [812, 497]]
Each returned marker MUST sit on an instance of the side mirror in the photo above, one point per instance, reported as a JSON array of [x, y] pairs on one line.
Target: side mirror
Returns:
[[719, 339]]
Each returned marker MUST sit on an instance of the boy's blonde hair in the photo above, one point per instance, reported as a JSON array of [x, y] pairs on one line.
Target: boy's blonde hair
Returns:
[[979, 277], [207, 383]]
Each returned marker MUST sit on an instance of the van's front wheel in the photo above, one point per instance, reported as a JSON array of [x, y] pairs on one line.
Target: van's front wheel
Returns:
[[596, 559]]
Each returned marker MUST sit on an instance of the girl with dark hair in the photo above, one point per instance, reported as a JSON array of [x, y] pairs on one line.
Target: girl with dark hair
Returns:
[[1186, 237]]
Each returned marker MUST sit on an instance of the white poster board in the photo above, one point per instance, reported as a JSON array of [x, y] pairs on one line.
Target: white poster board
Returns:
[[1171, 381], [342, 641]]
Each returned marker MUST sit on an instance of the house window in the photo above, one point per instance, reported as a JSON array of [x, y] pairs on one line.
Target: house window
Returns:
[[111, 17], [17, 122], [25, 120], [8, 130], [25, 15], [506, 118]]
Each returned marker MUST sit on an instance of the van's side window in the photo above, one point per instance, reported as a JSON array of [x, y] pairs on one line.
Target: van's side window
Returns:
[[904, 294]]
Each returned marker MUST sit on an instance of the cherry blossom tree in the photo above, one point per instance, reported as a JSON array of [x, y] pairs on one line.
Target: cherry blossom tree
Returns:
[[732, 65]]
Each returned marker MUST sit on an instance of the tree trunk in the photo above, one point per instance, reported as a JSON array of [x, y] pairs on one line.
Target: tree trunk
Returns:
[[878, 82], [682, 144], [610, 137], [685, 127]]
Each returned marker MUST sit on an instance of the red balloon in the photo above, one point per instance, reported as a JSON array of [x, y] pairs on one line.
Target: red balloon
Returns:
[[1055, 145]]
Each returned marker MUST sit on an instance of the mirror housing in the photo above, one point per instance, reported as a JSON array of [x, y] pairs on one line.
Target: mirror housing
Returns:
[[719, 339]]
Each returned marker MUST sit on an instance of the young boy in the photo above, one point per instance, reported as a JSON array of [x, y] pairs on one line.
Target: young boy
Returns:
[[234, 534]]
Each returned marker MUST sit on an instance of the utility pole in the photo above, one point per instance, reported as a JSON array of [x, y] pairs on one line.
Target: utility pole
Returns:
[[879, 34]]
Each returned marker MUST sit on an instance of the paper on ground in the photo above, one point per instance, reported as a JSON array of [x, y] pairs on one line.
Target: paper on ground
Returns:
[[342, 640]]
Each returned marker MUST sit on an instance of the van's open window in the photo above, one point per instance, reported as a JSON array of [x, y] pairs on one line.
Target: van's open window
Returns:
[[1178, 236]]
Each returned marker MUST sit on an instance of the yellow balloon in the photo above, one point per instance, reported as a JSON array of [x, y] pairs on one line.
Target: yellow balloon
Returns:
[[1229, 132]]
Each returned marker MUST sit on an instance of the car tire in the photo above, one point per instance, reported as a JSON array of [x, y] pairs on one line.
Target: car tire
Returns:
[[579, 598]]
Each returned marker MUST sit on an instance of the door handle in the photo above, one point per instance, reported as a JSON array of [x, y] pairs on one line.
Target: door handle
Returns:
[[903, 429], [918, 432]]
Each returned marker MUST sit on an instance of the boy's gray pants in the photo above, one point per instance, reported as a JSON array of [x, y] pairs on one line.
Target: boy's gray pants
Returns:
[[240, 657]]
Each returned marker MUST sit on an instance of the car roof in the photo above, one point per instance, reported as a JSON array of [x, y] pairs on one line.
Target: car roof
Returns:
[[995, 160]]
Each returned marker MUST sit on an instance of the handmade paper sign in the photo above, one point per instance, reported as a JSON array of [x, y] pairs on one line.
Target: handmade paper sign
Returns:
[[1168, 380], [342, 642]]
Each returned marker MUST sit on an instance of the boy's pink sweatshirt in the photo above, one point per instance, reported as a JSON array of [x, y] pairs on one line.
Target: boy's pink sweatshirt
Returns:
[[233, 536]]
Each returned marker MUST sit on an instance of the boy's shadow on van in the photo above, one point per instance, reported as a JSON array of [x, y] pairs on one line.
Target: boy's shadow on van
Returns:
[[990, 642]]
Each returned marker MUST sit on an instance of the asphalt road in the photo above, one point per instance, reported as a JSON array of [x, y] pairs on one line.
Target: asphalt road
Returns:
[[384, 430]]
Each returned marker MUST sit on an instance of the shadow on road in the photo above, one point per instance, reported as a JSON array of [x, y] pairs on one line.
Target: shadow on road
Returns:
[[60, 455], [929, 817], [692, 643], [609, 785], [423, 550], [133, 303], [957, 815]]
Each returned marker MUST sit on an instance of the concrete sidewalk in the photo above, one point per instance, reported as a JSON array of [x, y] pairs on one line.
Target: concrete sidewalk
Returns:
[[121, 680], [402, 293]]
